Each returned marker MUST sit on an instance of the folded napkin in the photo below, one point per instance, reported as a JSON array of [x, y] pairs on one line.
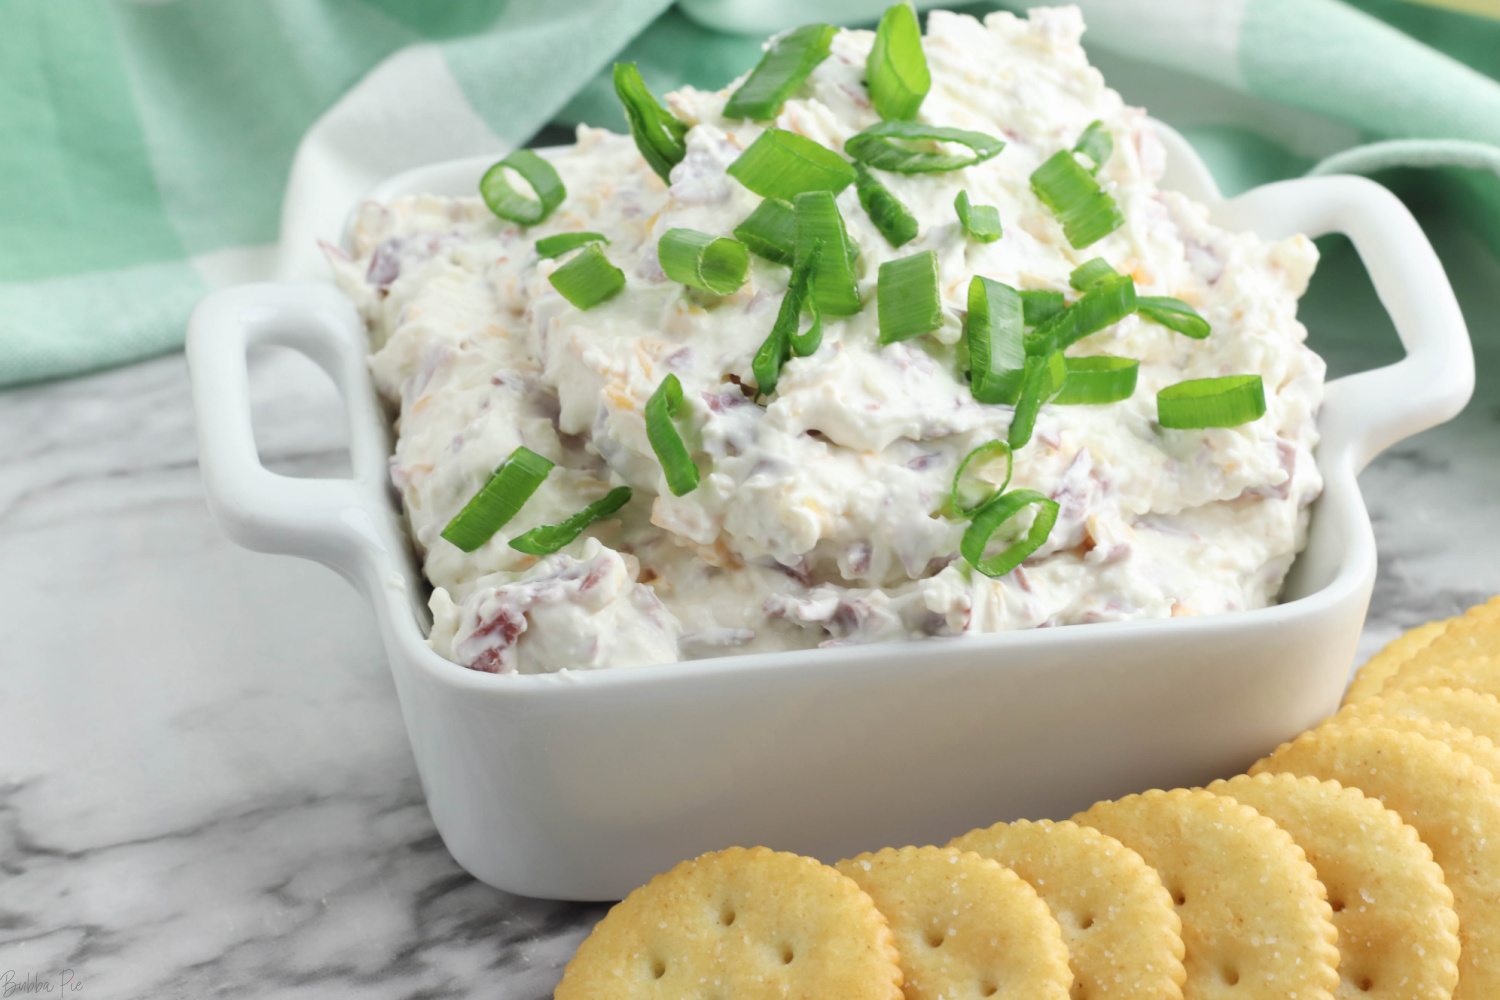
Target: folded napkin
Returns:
[[152, 151]]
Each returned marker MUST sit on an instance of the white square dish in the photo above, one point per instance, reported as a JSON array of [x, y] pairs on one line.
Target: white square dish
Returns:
[[581, 786]]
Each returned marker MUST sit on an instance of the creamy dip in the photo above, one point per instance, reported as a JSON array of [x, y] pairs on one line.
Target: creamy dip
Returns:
[[819, 519]]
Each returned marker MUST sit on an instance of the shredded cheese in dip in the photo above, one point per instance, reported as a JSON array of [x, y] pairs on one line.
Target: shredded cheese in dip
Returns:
[[819, 517]]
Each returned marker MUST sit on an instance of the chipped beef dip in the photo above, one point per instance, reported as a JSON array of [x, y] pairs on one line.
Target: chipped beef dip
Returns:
[[819, 519]]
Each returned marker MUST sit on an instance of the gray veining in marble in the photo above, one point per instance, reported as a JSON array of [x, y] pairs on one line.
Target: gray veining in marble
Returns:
[[205, 788]]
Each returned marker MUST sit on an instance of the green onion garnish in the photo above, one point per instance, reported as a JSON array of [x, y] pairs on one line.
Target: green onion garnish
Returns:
[[547, 539], [508, 203], [992, 331], [897, 70], [1087, 212], [1211, 402], [1109, 299], [972, 490], [712, 264], [1044, 377], [1042, 304], [556, 246], [770, 231], [660, 135], [781, 164], [780, 72], [1098, 379], [1086, 274], [989, 519], [909, 300], [783, 339], [1174, 314], [1053, 334], [981, 222], [1096, 143], [497, 502], [588, 279], [876, 147], [676, 463], [893, 219], [819, 221]]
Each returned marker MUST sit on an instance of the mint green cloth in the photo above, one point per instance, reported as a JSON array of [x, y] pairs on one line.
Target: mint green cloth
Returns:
[[152, 151]]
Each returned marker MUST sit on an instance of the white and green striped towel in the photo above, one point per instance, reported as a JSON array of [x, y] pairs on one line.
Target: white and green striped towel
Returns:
[[152, 151]]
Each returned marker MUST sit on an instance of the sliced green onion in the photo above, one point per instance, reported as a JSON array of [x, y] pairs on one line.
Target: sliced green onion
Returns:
[[989, 519], [909, 301], [770, 231], [981, 222], [1108, 300], [1098, 379], [784, 339], [1042, 304], [547, 539], [1174, 314], [804, 284], [676, 463], [508, 203], [819, 221], [1054, 333], [660, 135], [588, 279], [971, 490], [1211, 402], [1086, 211], [897, 69], [781, 164], [876, 147], [780, 72], [992, 331], [712, 264], [1036, 386], [1086, 274], [893, 219], [1096, 143], [497, 502], [556, 246]]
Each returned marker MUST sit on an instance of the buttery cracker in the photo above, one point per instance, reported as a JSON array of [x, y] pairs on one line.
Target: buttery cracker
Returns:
[[1123, 935], [966, 928], [1384, 664], [750, 924], [1397, 932], [1452, 803], [1255, 919], [1462, 708]]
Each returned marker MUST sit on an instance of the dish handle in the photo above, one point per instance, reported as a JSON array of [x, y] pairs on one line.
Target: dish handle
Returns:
[[345, 524], [1365, 413]]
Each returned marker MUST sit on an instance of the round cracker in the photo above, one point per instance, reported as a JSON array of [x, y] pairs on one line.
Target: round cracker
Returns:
[[1380, 667], [1453, 804], [1473, 634], [1476, 748], [1465, 709], [1398, 934], [966, 928], [742, 923], [1475, 673], [1255, 920], [1123, 935]]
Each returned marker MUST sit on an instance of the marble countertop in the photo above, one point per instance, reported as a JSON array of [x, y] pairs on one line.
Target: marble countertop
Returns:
[[205, 787]]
